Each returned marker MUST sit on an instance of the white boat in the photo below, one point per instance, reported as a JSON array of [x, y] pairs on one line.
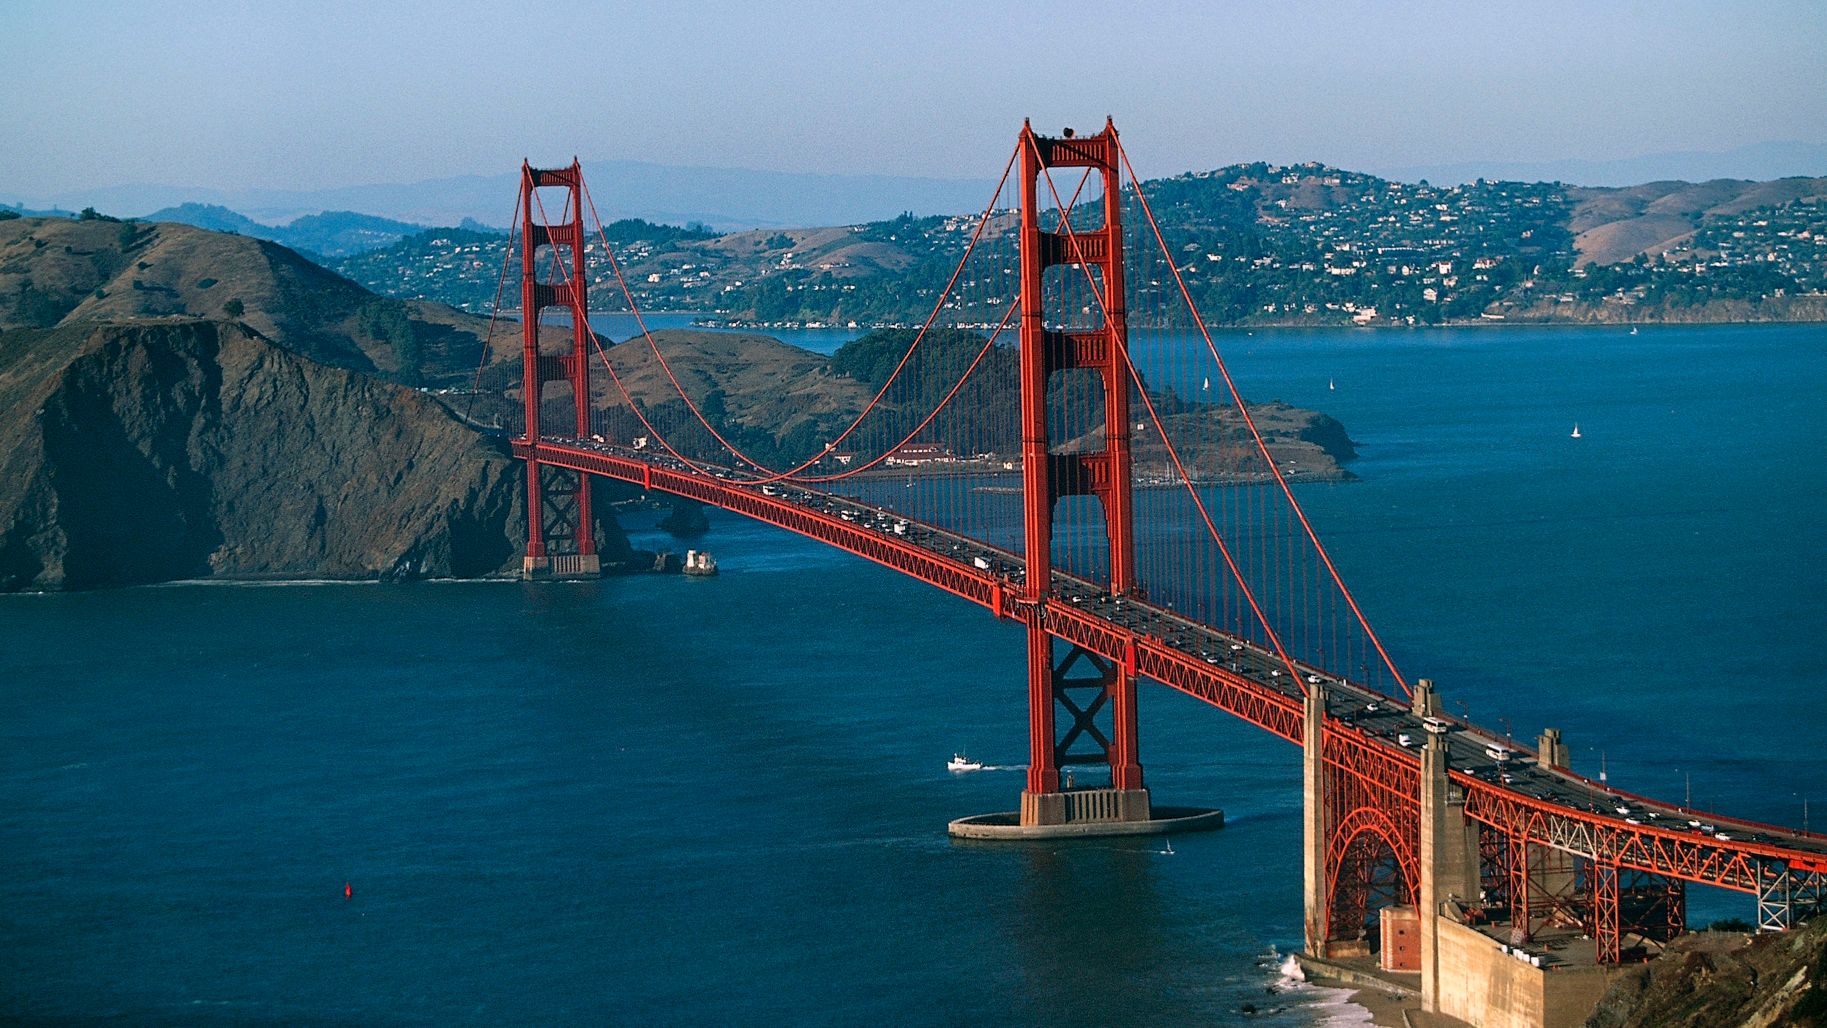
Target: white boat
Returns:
[[1576, 430], [1633, 330], [1330, 384], [960, 762]]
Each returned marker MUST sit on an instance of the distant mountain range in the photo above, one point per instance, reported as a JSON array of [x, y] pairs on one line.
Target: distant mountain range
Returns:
[[723, 198], [330, 234], [733, 199]]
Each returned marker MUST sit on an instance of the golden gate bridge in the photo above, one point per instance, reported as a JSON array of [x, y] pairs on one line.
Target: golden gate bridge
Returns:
[[1061, 442]]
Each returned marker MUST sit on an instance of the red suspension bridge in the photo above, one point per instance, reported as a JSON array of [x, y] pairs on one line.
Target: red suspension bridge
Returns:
[[1061, 442]]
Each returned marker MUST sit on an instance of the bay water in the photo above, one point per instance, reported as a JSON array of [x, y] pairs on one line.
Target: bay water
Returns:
[[667, 800]]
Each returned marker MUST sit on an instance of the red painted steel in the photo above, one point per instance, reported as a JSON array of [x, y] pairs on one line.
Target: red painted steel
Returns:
[[1383, 770], [1371, 782], [1047, 476], [537, 368]]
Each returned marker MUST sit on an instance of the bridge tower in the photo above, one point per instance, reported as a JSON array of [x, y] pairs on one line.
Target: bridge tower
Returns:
[[561, 536], [1077, 683]]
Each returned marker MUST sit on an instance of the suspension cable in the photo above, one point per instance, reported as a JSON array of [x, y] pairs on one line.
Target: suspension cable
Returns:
[[564, 275], [768, 475], [1104, 309], [1280, 479], [488, 339]]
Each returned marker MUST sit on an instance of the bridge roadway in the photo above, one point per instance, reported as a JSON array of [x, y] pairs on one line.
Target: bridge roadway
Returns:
[[1377, 734]]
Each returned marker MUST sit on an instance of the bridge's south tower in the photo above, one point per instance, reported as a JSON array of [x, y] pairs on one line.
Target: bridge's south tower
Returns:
[[1062, 680]]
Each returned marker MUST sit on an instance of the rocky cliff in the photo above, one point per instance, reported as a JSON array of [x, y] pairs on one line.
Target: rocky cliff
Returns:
[[184, 448], [1725, 980]]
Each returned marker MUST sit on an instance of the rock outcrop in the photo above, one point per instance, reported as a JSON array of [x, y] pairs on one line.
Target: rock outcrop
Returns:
[[174, 449], [1725, 980]]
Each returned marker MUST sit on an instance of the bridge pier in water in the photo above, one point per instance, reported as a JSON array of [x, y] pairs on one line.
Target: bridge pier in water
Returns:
[[1064, 678]]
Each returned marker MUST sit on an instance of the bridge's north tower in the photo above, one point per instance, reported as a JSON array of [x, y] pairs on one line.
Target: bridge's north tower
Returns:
[[561, 534]]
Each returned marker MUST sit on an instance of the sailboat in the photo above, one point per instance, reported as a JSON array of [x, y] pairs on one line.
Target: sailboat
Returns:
[[1576, 430], [1330, 384], [1208, 384], [1633, 330]]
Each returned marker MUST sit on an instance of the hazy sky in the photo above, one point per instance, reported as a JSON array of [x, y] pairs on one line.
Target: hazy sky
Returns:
[[306, 95]]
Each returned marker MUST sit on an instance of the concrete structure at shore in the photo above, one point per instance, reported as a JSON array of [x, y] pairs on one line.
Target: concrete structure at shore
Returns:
[[1462, 968]]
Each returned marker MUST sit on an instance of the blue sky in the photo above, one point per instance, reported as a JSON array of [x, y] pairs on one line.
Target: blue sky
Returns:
[[311, 95]]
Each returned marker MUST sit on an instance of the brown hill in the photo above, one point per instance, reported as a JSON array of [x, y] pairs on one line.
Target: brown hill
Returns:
[[181, 448], [766, 384], [1616, 224], [58, 271]]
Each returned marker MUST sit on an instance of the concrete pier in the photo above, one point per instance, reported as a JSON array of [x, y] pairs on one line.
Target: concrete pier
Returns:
[[1078, 806], [1434, 786], [545, 569], [1313, 819], [1009, 826]]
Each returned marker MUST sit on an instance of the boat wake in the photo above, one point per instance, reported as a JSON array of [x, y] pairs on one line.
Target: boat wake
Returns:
[[961, 764]]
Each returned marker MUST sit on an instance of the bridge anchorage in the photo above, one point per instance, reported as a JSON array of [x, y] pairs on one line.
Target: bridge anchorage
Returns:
[[1484, 874]]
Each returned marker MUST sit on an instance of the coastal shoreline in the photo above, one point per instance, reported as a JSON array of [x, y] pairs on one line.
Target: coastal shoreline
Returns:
[[720, 324]]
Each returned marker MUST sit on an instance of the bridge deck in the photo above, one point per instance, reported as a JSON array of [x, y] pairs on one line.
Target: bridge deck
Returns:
[[1554, 806]]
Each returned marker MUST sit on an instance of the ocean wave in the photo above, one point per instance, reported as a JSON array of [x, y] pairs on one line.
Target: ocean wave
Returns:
[[1330, 1006]]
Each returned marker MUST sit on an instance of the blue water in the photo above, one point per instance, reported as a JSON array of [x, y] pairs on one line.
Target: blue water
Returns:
[[620, 327], [665, 800]]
